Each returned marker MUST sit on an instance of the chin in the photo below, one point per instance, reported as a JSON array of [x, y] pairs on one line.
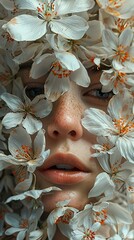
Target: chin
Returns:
[[77, 200]]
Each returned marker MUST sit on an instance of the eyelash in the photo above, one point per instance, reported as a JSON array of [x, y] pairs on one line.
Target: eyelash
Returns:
[[97, 93]]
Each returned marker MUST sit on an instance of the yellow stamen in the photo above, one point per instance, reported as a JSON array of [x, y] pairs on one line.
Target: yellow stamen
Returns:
[[122, 53], [65, 218], [123, 126]]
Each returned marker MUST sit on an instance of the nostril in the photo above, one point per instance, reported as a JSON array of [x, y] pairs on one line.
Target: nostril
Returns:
[[55, 133], [73, 133]]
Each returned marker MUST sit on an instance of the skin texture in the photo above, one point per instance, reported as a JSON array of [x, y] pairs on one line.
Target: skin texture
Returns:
[[65, 134]]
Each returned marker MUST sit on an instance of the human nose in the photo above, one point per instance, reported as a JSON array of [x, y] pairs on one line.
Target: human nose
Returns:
[[65, 119]]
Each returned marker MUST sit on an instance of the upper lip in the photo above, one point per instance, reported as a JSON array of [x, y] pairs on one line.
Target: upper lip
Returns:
[[62, 158]]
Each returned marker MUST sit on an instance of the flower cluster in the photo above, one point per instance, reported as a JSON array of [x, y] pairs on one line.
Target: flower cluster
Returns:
[[61, 39]]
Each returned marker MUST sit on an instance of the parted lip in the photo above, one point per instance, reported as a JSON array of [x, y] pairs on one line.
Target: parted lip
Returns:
[[64, 158]]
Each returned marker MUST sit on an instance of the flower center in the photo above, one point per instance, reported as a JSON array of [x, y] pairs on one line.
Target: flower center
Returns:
[[122, 53], [101, 216], [89, 235], [115, 3], [106, 147], [24, 152], [66, 217], [123, 126], [24, 223], [46, 11], [115, 169], [121, 77], [122, 24], [59, 71]]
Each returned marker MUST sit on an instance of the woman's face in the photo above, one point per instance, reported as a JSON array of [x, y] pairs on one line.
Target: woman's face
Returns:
[[70, 165]]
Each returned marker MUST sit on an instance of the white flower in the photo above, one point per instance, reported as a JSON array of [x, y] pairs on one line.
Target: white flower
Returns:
[[49, 14], [124, 232], [104, 147], [64, 67], [120, 48], [24, 151], [23, 112], [60, 217], [24, 180], [103, 185], [103, 213], [111, 213], [119, 8], [86, 228], [94, 54], [77, 47], [117, 169], [23, 224], [118, 125], [116, 81], [31, 51]]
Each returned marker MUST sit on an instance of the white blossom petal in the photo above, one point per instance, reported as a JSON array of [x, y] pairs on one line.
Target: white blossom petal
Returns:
[[68, 60], [25, 28], [55, 87], [31, 124], [64, 7], [17, 139], [68, 27], [126, 37], [125, 145], [13, 102], [109, 39], [12, 120], [42, 65], [27, 4], [97, 122], [103, 185], [42, 108], [80, 76]]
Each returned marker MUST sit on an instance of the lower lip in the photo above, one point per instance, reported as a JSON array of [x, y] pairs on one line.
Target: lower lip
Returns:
[[57, 176]]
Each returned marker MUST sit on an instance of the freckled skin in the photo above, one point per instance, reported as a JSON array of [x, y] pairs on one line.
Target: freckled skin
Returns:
[[65, 134]]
